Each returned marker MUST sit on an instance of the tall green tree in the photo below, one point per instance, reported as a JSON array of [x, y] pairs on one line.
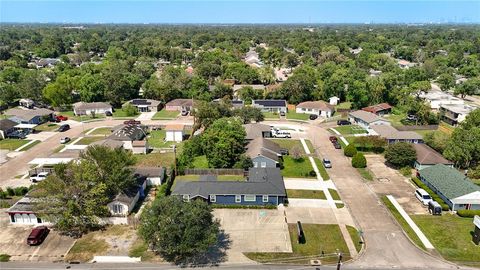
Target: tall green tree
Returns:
[[400, 154]]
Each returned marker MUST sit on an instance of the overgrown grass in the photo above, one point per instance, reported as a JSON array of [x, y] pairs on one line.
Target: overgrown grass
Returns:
[[344, 105], [200, 162], [12, 144], [289, 144], [403, 223], [334, 194], [326, 238], [155, 160], [322, 170], [156, 138], [140, 249], [355, 235], [298, 116], [300, 168], [4, 257], [365, 173], [86, 247], [306, 194], [164, 114], [451, 236]]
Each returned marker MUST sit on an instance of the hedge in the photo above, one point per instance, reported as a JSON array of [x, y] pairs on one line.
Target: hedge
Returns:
[[350, 150], [468, 213], [432, 194], [359, 161]]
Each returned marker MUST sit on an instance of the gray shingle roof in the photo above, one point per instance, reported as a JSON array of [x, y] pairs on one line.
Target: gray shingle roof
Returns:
[[269, 103], [6, 124], [263, 147], [128, 133], [91, 105], [255, 130], [448, 181], [389, 132], [366, 116], [28, 114], [261, 181], [428, 156]]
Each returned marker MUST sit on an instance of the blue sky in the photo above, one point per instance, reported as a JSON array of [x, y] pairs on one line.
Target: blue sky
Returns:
[[267, 11]]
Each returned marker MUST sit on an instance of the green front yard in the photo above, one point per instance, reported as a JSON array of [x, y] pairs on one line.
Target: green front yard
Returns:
[[88, 140], [164, 114], [350, 130], [396, 117], [155, 160], [156, 139], [306, 194], [297, 116], [320, 239], [12, 144], [300, 168], [289, 144], [270, 115], [120, 113], [322, 170], [47, 127], [102, 131], [451, 236], [82, 118]]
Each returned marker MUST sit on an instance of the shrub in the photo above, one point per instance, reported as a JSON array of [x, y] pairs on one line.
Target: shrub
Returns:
[[3, 194], [10, 191], [312, 173], [5, 204], [4, 257], [359, 161], [21, 191], [350, 150], [468, 213], [400, 154], [432, 194], [406, 171], [130, 110]]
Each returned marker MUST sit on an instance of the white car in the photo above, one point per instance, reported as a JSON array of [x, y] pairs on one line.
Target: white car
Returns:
[[278, 133], [38, 177], [64, 140], [423, 196]]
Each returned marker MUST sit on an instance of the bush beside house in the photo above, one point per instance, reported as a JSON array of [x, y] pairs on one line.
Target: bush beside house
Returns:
[[350, 150], [359, 161]]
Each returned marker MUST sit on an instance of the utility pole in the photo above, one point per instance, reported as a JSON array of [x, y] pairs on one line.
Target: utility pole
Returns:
[[175, 157], [339, 263]]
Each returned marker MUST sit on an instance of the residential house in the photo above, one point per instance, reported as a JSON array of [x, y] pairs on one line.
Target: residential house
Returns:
[[145, 105], [44, 63], [281, 74], [174, 132], [270, 105], [125, 201], [113, 144], [30, 116], [140, 147], [253, 59], [438, 98], [427, 157], [264, 153], [238, 103], [374, 73], [263, 186], [154, 176], [257, 130], [23, 212], [334, 100], [455, 114], [379, 109], [180, 104], [453, 187], [404, 64], [392, 135], [128, 134], [257, 87], [26, 102], [87, 108], [366, 119], [356, 51], [320, 108], [7, 126]]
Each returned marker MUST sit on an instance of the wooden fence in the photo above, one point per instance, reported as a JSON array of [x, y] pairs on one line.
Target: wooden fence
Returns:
[[412, 128], [215, 171]]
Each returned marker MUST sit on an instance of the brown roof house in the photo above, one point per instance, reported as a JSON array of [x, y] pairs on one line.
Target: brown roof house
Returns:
[[320, 108], [392, 135], [180, 104], [379, 109], [427, 157]]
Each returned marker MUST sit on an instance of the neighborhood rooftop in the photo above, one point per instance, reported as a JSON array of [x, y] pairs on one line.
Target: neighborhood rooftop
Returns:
[[391, 133], [28, 114], [91, 105], [366, 116], [319, 105], [426, 155], [270, 102]]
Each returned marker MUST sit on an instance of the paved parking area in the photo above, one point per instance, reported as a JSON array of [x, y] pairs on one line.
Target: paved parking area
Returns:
[[389, 181], [319, 215], [13, 242], [255, 230]]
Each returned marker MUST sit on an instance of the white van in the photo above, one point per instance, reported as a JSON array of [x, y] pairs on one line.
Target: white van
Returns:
[[281, 134], [422, 196]]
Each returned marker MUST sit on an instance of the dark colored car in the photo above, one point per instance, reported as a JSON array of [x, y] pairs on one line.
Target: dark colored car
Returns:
[[284, 151], [343, 122], [313, 116], [282, 113], [63, 128], [37, 235], [108, 113], [16, 135], [337, 145], [184, 113], [132, 122], [333, 139]]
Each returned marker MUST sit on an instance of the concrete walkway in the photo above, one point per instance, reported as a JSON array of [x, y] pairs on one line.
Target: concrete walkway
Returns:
[[348, 240], [411, 223], [145, 116], [25, 145]]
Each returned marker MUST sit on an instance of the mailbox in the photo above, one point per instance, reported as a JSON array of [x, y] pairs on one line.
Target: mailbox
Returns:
[[300, 233], [476, 231]]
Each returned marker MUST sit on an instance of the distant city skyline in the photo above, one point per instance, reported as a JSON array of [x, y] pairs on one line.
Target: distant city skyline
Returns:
[[233, 12]]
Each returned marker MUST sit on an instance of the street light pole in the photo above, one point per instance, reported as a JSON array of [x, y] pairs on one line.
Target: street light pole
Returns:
[[175, 158], [339, 263]]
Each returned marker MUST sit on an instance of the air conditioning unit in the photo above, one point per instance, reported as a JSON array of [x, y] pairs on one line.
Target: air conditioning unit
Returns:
[[315, 262]]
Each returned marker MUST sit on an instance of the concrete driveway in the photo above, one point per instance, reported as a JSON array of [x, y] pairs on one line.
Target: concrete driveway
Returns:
[[389, 181], [13, 242]]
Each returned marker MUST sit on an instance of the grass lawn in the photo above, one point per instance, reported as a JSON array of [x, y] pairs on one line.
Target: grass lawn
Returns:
[[200, 162], [47, 127], [298, 116], [30, 145], [270, 115], [321, 169], [396, 118], [306, 194], [155, 160], [334, 194], [319, 237], [140, 249], [446, 128], [296, 168], [344, 105], [156, 138], [88, 140], [451, 236], [86, 247], [403, 223], [12, 144], [339, 205], [102, 131], [350, 129], [82, 118], [289, 144], [424, 132], [354, 234], [310, 146], [164, 114], [365, 173], [120, 113]]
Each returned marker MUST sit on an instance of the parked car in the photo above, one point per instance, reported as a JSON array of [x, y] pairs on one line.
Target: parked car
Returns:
[[282, 113], [60, 118], [63, 128], [284, 151], [64, 140], [37, 235], [313, 116], [132, 122], [108, 113], [327, 163], [423, 196], [184, 113], [343, 122], [38, 177], [337, 145], [17, 135], [434, 208], [411, 117], [333, 139]]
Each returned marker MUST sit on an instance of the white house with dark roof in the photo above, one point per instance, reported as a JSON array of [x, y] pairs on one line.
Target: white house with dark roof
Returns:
[[320, 108], [427, 157], [87, 108], [392, 135], [145, 105], [270, 105], [366, 119]]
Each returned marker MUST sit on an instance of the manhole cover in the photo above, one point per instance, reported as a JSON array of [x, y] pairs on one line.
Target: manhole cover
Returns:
[[384, 180]]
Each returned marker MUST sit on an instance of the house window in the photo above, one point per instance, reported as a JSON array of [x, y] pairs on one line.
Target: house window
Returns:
[[263, 164], [213, 198], [255, 164], [117, 208], [265, 198], [238, 198], [186, 198], [249, 198]]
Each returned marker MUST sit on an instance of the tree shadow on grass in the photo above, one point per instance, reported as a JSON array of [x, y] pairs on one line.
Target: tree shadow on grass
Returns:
[[214, 256]]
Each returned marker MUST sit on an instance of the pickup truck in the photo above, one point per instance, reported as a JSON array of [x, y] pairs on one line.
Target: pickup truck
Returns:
[[38, 177]]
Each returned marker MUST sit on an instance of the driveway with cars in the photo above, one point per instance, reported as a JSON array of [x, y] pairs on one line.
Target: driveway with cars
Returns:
[[13, 241]]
